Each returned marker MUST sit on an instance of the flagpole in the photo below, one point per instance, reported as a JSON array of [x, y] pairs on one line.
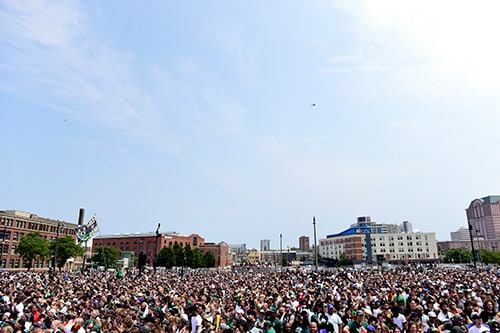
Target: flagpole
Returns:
[[80, 223]]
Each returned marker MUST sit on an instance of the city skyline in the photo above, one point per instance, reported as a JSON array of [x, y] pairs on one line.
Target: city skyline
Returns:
[[243, 121]]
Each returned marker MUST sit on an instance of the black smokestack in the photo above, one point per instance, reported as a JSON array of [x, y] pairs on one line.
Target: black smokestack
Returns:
[[80, 216]]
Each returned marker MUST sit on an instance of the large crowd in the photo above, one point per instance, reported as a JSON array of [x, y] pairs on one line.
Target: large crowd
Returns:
[[412, 299]]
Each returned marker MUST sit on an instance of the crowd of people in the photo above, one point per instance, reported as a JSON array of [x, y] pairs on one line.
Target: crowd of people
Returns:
[[413, 299]]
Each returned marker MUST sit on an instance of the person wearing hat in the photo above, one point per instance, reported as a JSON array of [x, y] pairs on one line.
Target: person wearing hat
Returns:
[[432, 322], [356, 325], [334, 318], [268, 327], [275, 321], [477, 326]]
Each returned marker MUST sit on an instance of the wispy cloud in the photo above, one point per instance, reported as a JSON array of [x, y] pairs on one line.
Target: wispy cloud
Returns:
[[51, 55], [425, 49]]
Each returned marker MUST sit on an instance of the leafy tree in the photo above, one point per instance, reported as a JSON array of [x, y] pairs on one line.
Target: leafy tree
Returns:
[[490, 257], [106, 256], [32, 246], [180, 259], [209, 259], [188, 255], [343, 261], [66, 248], [198, 259], [166, 257], [458, 256]]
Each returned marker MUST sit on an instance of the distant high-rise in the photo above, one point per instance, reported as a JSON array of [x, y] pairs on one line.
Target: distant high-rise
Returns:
[[406, 227], [461, 235], [304, 243], [265, 245], [483, 215]]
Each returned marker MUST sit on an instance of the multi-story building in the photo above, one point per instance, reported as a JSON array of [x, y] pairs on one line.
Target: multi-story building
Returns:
[[483, 217], [254, 257], [221, 252], [149, 243], [304, 243], [238, 252], [265, 245], [15, 224], [461, 235], [363, 242]]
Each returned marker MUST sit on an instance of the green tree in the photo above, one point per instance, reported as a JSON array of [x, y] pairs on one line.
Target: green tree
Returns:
[[490, 257], [66, 248], [198, 259], [106, 256], [209, 259], [32, 246], [457, 256], [166, 257], [343, 261], [179, 255]]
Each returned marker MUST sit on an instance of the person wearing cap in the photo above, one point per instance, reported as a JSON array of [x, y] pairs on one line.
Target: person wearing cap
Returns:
[[431, 323], [268, 327], [334, 318], [477, 326], [358, 324]]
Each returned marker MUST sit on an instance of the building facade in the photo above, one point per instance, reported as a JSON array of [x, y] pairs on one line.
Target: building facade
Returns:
[[483, 217], [15, 224], [461, 235], [149, 243], [304, 243], [364, 243], [221, 252], [265, 244]]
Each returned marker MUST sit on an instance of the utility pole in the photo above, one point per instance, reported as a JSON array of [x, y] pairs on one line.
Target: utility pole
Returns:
[[59, 225], [472, 245], [315, 245], [281, 251], [155, 263]]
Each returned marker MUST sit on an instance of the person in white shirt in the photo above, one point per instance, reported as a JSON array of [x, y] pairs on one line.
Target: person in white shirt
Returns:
[[478, 326]]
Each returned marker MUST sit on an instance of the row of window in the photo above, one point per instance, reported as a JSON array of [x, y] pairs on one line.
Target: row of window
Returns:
[[35, 226], [15, 263]]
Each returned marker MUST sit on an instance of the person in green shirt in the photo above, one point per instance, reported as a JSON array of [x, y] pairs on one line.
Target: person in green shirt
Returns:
[[357, 325]]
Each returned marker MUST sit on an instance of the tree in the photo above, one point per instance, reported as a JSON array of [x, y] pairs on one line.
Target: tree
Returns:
[[343, 261], [197, 259], [166, 257], [457, 256], [32, 246], [106, 256], [209, 259], [490, 257], [66, 248]]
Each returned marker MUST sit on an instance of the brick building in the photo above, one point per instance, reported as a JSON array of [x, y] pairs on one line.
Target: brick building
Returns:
[[221, 252], [15, 224], [150, 243]]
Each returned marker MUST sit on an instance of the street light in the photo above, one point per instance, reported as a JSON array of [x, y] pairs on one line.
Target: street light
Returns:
[[281, 251], [59, 225], [315, 246], [156, 248], [472, 245]]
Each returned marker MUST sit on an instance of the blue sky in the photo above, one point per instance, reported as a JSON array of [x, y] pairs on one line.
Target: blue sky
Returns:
[[199, 115]]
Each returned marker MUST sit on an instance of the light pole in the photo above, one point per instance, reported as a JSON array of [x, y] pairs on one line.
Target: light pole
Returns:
[[315, 246], [478, 235], [156, 248], [281, 251], [472, 245], [59, 225]]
